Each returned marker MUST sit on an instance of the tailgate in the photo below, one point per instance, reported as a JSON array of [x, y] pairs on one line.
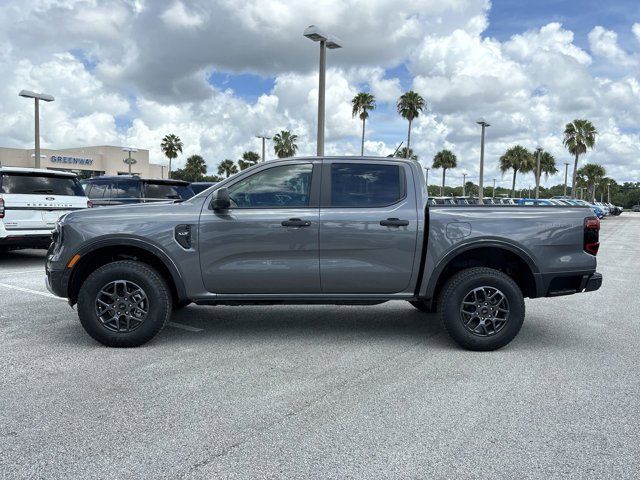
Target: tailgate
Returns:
[[37, 212]]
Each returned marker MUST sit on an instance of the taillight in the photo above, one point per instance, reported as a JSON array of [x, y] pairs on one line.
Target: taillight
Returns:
[[1, 207], [591, 235], [89, 204]]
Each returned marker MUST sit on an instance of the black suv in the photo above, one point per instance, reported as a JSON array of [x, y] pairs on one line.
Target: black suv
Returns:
[[121, 189]]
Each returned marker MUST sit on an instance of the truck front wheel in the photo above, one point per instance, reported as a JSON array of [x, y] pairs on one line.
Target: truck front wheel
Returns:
[[481, 308], [124, 304]]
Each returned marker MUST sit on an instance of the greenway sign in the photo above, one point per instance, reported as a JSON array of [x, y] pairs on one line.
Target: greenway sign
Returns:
[[71, 160]]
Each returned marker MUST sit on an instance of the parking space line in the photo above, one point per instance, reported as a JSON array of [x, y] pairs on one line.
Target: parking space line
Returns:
[[35, 292], [185, 327], [9, 272]]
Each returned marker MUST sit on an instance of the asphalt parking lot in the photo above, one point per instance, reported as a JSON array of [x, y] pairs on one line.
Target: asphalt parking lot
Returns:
[[325, 392]]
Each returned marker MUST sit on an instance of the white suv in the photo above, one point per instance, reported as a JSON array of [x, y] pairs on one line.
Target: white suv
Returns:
[[31, 201]]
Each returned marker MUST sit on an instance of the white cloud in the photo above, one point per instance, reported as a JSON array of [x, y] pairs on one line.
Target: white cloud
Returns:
[[177, 16], [605, 44]]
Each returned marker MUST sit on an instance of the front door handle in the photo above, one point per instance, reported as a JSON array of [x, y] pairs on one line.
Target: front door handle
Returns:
[[295, 222], [394, 222]]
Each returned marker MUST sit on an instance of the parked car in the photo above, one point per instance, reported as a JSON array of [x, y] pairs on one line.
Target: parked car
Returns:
[[198, 187], [535, 201], [441, 201], [31, 201], [635, 208], [276, 234], [125, 189]]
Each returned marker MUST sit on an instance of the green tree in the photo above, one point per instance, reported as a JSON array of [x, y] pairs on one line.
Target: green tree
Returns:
[[444, 159], [284, 144], [227, 168], [195, 169], [361, 104], [579, 136], [547, 166], [171, 145], [410, 104], [249, 159], [517, 158], [406, 153], [591, 174]]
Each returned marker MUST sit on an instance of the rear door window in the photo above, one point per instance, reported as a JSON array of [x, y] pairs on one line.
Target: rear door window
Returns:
[[366, 184], [167, 191], [39, 184], [126, 190], [99, 190]]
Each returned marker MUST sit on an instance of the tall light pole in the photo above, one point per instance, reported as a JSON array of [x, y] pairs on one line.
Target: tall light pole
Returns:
[[539, 151], [426, 181], [566, 172], [37, 97], [264, 138], [326, 41], [493, 194], [608, 193], [129, 161], [464, 181], [484, 125]]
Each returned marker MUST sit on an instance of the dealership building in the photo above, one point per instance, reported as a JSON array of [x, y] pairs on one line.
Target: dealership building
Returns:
[[85, 161]]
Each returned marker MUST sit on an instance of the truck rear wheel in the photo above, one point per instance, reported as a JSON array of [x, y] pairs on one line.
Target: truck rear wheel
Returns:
[[124, 304], [481, 308]]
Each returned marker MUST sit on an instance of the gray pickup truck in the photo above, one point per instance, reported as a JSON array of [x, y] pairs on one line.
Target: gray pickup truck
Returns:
[[335, 230]]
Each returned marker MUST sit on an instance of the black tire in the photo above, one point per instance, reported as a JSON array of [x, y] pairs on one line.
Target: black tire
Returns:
[[469, 285], [157, 301], [420, 305]]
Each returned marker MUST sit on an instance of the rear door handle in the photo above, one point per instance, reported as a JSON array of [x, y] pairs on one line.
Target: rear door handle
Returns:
[[295, 222], [394, 222]]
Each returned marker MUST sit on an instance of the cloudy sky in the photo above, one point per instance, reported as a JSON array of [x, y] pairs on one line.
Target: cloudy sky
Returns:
[[217, 73]]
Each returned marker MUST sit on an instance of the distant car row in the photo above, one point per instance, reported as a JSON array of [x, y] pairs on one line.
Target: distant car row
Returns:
[[600, 209]]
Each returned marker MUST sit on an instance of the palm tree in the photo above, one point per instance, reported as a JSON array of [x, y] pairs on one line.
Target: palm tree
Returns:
[[579, 136], [248, 159], [171, 145], [406, 153], [227, 167], [517, 158], [362, 103], [547, 166], [410, 104], [592, 175], [284, 144], [444, 159]]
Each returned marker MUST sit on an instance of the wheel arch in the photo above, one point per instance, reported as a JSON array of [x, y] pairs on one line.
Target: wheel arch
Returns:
[[502, 256], [112, 248]]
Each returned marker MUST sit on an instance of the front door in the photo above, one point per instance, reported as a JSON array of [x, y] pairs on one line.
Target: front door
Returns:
[[267, 242], [368, 227]]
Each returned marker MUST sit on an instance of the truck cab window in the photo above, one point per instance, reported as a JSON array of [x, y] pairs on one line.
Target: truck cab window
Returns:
[[366, 184], [286, 186]]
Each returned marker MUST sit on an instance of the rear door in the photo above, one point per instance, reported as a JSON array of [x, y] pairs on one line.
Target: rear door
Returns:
[[368, 227], [35, 200]]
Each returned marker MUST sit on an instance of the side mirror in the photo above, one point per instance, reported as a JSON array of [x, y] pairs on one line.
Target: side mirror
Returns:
[[221, 200]]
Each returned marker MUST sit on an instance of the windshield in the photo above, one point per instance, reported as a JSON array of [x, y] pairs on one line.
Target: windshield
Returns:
[[167, 191], [39, 184]]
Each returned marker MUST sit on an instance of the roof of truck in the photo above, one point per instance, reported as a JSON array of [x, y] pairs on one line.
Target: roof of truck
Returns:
[[43, 171]]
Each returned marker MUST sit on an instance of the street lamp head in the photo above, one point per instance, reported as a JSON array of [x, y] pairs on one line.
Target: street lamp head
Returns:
[[539, 148], [129, 149], [333, 42], [314, 33], [40, 96], [483, 122], [266, 137]]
